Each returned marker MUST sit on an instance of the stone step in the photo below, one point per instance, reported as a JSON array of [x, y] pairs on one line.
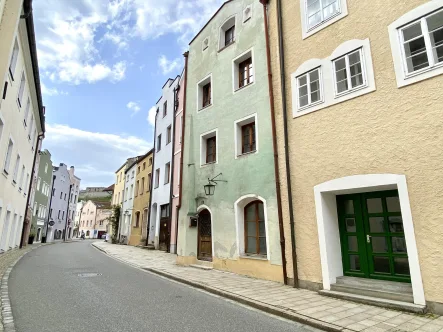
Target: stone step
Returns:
[[381, 285], [148, 247], [378, 293], [201, 267], [391, 304]]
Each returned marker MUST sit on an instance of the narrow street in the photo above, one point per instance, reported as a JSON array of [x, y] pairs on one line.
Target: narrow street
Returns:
[[48, 294]]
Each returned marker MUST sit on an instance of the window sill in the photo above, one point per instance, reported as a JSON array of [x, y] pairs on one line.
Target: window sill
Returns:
[[349, 92], [255, 257], [5, 173], [244, 87], [208, 164], [226, 46], [203, 108], [246, 154], [304, 108]]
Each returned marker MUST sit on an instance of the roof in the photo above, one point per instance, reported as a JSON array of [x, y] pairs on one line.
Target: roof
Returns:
[[215, 14], [110, 188], [172, 82], [102, 205], [124, 164], [146, 155]]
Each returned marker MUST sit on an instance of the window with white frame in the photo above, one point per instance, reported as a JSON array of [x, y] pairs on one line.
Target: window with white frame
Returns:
[[157, 178], [14, 58], [349, 72], [22, 175], [16, 168], [204, 93], [246, 137], [318, 11], [167, 172], [423, 43], [208, 148], [28, 106], [309, 88], [227, 33], [21, 89], [8, 157], [417, 43], [243, 70], [26, 184]]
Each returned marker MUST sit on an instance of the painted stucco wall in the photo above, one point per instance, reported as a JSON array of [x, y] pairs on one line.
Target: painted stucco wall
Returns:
[[391, 130], [128, 202], [75, 190], [42, 195], [59, 203], [88, 219], [249, 176], [141, 200], [117, 198], [13, 197], [176, 162], [161, 195]]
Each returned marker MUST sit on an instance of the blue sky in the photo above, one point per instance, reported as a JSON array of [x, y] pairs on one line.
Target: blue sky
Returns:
[[102, 65]]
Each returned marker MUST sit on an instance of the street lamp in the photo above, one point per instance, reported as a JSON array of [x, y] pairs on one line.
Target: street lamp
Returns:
[[210, 187]]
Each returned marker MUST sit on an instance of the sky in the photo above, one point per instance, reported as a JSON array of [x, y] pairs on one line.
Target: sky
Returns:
[[102, 66]]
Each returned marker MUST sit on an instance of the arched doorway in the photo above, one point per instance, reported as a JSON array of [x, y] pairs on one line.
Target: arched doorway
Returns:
[[204, 236]]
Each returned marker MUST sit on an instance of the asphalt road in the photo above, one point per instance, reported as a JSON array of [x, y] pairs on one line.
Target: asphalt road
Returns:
[[48, 295]]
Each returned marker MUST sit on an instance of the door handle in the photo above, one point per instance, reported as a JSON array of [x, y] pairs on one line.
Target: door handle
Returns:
[[368, 238]]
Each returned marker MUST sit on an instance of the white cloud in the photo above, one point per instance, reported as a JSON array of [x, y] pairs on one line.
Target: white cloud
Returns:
[[151, 116], [51, 91], [96, 156], [134, 107], [168, 66]]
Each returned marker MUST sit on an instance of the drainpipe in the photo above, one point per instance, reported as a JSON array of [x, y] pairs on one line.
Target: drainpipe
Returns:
[[275, 147], [186, 54], [67, 213], [285, 127], [40, 137], [50, 205], [151, 193]]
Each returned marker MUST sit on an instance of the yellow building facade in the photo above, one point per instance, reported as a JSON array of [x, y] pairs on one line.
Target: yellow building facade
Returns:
[[142, 194], [362, 104]]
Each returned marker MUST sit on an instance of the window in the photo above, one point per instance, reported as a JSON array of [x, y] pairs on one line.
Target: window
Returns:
[[46, 168], [164, 211], [144, 166], [248, 137], [142, 187], [165, 108], [157, 178], [159, 142], [149, 182], [31, 129], [229, 35], [137, 219], [206, 95], [21, 89], [59, 214], [167, 171], [255, 229], [318, 14], [168, 135], [132, 191], [138, 170], [208, 147], [14, 58], [25, 118], [63, 215], [309, 89], [132, 174], [16, 168], [5, 90], [150, 161], [101, 223], [8, 157], [245, 73], [348, 71], [61, 195], [39, 180], [65, 196], [137, 186], [35, 209], [22, 175]]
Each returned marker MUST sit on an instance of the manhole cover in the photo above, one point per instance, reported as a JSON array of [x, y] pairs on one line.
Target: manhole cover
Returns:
[[89, 274]]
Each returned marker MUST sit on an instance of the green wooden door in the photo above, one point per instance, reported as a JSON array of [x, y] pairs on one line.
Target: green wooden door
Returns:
[[372, 236]]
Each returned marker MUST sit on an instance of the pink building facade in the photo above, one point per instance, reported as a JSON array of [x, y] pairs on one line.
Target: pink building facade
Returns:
[[177, 152]]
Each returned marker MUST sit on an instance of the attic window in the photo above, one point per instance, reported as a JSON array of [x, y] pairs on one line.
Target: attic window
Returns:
[[227, 33], [205, 43], [247, 13]]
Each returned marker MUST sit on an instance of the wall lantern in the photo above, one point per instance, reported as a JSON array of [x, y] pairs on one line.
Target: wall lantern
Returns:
[[210, 187]]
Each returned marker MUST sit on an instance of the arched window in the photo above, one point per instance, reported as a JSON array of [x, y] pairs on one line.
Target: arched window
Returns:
[[255, 230]]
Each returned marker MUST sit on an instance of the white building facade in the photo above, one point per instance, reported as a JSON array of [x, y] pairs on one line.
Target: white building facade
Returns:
[[128, 201], [160, 220], [21, 120], [73, 199], [59, 204]]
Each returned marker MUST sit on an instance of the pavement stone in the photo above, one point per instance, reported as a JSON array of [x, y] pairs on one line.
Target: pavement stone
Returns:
[[304, 306]]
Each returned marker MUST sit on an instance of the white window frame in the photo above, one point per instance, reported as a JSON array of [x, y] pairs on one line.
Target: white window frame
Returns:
[[203, 138], [16, 168], [235, 70], [14, 58], [348, 73], [309, 31], [5, 170], [200, 85], [328, 77], [21, 91], [418, 14], [238, 135], [308, 83], [227, 24]]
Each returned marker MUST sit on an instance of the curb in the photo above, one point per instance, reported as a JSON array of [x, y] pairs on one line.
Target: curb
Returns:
[[7, 319], [240, 299]]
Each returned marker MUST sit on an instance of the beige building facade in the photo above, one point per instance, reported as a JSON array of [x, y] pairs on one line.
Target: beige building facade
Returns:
[[94, 219], [362, 104]]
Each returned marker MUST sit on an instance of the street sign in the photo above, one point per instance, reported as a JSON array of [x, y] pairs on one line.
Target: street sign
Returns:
[[51, 223]]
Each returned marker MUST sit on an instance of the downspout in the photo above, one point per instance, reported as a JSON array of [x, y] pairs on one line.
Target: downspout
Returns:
[[151, 193], [171, 169], [40, 136], [275, 147], [67, 213], [50, 205], [285, 127], [186, 54]]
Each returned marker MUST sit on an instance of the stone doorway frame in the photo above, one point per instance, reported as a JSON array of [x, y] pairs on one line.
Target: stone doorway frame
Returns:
[[329, 235]]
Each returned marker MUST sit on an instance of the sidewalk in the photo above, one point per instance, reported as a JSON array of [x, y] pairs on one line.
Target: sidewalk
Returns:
[[296, 304]]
